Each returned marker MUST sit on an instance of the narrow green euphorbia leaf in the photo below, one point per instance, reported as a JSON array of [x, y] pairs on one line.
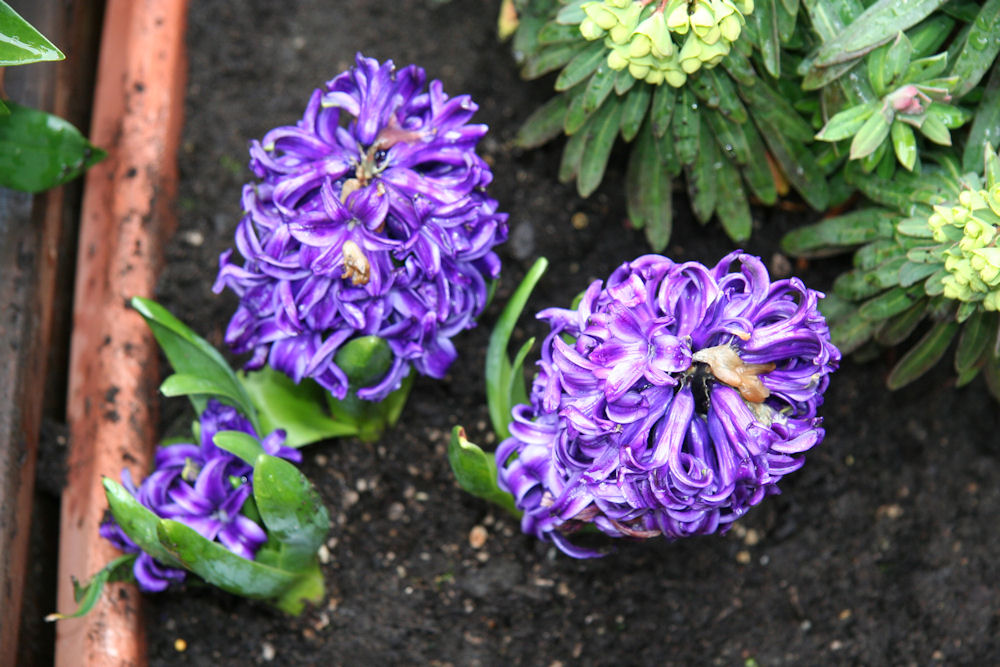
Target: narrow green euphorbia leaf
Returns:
[[885, 305], [934, 129], [20, 43], [662, 109], [648, 190], [922, 357], [299, 409], [878, 24], [985, 129], [979, 50], [602, 132], [634, 109], [192, 355], [904, 144], [685, 128], [851, 332], [569, 165], [87, 595], [846, 123], [499, 368], [871, 135], [978, 333], [732, 206], [898, 328], [897, 60], [833, 235], [476, 471], [39, 151], [548, 59], [912, 273], [544, 124], [581, 66], [291, 510], [137, 520]]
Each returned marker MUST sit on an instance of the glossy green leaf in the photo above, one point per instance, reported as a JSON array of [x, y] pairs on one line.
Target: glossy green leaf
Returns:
[[685, 127], [192, 355], [846, 123], [991, 373], [871, 135], [978, 333], [364, 360], [764, 19], [499, 368], [951, 117], [977, 50], [985, 127], [915, 227], [797, 164], [569, 165], [557, 33], [911, 273], [39, 151], [991, 171], [548, 59], [851, 332], [138, 521], [757, 172], [897, 60], [834, 235], [662, 109], [885, 305], [186, 384], [625, 82], [572, 14], [602, 132], [934, 129], [930, 34], [773, 108], [922, 356], [86, 596], [899, 327], [299, 409], [291, 509], [544, 124], [20, 43], [729, 100], [926, 69], [702, 176], [476, 471], [878, 24], [633, 112], [732, 206], [730, 138], [904, 144], [240, 444], [581, 66], [648, 190]]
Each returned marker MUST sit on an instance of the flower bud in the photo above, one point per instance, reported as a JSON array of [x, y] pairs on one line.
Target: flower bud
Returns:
[[600, 15], [590, 30]]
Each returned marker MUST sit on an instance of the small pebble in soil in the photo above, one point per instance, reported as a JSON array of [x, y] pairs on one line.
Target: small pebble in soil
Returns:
[[323, 553], [751, 538], [844, 614], [180, 645], [743, 557], [267, 651], [193, 238], [397, 512], [477, 537], [579, 220]]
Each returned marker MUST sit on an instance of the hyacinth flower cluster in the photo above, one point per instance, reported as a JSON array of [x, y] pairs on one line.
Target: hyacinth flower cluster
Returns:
[[203, 487], [368, 218], [640, 35], [670, 401]]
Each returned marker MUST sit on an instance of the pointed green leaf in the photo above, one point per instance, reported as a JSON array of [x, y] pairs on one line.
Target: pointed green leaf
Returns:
[[765, 21], [885, 305], [544, 124], [572, 14], [648, 190], [912, 273], [240, 444], [20, 43], [848, 122], [703, 186], [730, 138], [291, 510], [978, 332], [756, 171], [985, 125], [797, 164], [138, 521], [548, 59], [978, 48], [39, 151], [732, 206], [685, 128], [581, 66], [499, 369], [729, 100], [476, 471], [878, 24], [870, 136], [558, 33], [926, 69], [897, 60], [634, 109], [915, 226], [598, 88], [950, 116], [851, 332], [602, 132], [774, 109], [569, 165], [904, 144], [898, 328], [833, 235], [185, 384], [928, 35], [192, 355], [662, 109], [922, 356], [296, 408], [935, 130]]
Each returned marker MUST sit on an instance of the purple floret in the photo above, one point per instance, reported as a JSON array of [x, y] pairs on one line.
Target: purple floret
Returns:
[[203, 487], [673, 399], [369, 217]]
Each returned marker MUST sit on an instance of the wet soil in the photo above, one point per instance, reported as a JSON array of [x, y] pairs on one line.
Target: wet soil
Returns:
[[882, 550]]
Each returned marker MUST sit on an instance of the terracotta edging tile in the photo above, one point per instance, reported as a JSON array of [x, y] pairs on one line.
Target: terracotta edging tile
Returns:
[[125, 220]]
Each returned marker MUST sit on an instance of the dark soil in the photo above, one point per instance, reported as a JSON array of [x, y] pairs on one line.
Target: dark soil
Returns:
[[881, 551]]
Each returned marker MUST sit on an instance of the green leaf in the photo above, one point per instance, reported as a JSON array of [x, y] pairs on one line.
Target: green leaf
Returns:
[[544, 124], [625, 82], [922, 357], [20, 43], [846, 123], [138, 521], [729, 100], [634, 109], [686, 128], [977, 49], [904, 144], [885, 305], [299, 409], [240, 444], [548, 59], [557, 33], [662, 110], [915, 227], [851, 332], [572, 154], [765, 21], [877, 25], [86, 596], [797, 164], [365, 360], [898, 328], [984, 125], [934, 129], [598, 88], [978, 332], [602, 132], [897, 60], [476, 471], [185, 384], [757, 171], [771, 107], [581, 66], [192, 355], [648, 190], [732, 206], [498, 366], [834, 235], [702, 183], [870, 136], [925, 69], [39, 151], [912, 273], [291, 509]]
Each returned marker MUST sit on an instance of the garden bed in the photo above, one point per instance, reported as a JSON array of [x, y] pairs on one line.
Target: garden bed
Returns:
[[880, 551]]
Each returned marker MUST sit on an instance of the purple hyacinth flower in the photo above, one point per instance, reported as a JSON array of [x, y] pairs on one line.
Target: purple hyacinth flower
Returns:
[[203, 487], [673, 399], [369, 217]]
